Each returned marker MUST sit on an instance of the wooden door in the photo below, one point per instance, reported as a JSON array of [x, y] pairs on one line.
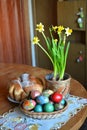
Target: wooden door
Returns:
[[14, 32]]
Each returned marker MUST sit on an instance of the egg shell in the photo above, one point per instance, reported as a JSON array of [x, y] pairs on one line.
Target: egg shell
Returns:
[[63, 102], [42, 99], [47, 92], [38, 108], [48, 107], [29, 104], [56, 97], [58, 106], [61, 106], [34, 94]]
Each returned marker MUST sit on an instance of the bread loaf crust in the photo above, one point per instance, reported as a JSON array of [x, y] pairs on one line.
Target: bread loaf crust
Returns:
[[16, 92], [11, 90], [19, 92]]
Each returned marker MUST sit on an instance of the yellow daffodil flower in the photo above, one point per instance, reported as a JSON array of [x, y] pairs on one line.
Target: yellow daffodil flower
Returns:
[[35, 40], [54, 28], [40, 27], [68, 31], [60, 29]]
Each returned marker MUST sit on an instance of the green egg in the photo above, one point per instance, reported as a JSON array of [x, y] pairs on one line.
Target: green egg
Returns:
[[48, 107]]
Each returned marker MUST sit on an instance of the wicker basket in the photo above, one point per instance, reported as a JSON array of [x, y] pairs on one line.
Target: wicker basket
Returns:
[[43, 115]]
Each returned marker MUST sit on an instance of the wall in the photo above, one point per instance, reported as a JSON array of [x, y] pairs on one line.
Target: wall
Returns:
[[44, 11]]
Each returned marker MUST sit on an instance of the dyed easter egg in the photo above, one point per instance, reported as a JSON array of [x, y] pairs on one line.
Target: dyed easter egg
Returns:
[[29, 104], [61, 106], [34, 94], [38, 108], [58, 106], [56, 97], [48, 107], [47, 92], [63, 102], [42, 99]]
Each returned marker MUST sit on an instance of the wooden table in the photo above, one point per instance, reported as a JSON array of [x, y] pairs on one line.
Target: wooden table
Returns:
[[9, 71]]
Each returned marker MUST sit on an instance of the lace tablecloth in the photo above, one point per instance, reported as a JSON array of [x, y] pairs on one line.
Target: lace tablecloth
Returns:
[[16, 120]]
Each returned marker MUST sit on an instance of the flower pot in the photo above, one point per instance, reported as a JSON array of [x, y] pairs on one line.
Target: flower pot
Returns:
[[62, 86]]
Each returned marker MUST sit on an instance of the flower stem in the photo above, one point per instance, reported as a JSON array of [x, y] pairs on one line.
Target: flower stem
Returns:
[[44, 37], [45, 52]]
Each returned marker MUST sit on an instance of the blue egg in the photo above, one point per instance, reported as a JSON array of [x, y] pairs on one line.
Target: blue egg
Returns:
[[42, 99], [38, 108], [62, 102]]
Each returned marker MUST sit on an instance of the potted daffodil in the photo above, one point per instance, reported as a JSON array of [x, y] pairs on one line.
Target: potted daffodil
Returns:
[[56, 48]]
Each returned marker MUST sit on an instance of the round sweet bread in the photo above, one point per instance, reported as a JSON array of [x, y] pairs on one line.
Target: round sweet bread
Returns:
[[16, 92], [19, 90]]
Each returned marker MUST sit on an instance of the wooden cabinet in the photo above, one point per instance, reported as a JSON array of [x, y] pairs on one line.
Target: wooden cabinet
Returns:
[[68, 15], [67, 12]]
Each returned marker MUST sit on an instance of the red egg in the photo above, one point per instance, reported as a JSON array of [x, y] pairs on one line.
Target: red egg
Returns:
[[56, 97]]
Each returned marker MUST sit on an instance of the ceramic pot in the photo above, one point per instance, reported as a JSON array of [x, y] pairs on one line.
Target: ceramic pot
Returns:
[[62, 86]]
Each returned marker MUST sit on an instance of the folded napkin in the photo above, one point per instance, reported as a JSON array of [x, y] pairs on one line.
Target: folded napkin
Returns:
[[16, 120]]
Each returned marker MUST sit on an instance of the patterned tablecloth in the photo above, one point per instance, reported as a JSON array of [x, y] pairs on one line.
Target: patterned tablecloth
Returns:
[[16, 120]]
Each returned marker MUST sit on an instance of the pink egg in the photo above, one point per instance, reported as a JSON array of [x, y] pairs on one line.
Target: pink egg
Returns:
[[34, 94]]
